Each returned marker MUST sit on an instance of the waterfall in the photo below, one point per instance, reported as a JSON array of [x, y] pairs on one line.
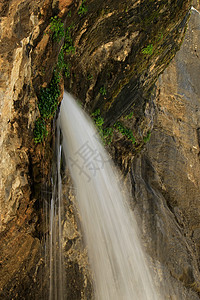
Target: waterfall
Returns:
[[54, 261], [194, 9], [115, 254]]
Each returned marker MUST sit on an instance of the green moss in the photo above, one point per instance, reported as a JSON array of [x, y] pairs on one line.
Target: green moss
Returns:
[[127, 132], [67, 70], [147, 137], [61, 61], [48, 97], [102, 91], [68, 43], [47, 104], [57, 29], [148, 50], [83, 8], [62, 65], [129, 116], [106, 134], [40, 131]]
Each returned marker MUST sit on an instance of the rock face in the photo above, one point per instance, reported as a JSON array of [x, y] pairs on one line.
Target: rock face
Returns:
[[22, 24], [165, 176], [120, 50]]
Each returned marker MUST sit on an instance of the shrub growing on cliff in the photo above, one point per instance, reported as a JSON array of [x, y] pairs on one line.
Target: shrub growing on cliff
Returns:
[[62, 65], [83, 8], [147, 137], [125, 131], [129, 116], [102, 90], [57, 28], [148, 50], [48, 97], [68, 43], [106, 134], [40, 131], [48, 102]]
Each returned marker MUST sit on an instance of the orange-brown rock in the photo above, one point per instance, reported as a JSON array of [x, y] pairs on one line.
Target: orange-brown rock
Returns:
[[165, 176], [109, 40]]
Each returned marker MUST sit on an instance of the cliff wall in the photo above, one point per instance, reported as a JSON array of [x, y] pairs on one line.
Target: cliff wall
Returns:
[[114, 53]]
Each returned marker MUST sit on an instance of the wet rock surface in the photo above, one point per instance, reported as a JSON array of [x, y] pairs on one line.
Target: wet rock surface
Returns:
[[27, 59], [165, 176]]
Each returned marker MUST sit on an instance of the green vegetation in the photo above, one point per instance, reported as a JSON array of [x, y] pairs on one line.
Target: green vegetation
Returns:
[[40, 131], [147, 137], [102, 90], [129, 116], [47, 104], [89, 77], [61, 61], [125, 131], [148, 50], [48, 97], [83, 8], [68, 43], [105, 134], [99, 121], [67, 70], [57, 29], [62, 65]]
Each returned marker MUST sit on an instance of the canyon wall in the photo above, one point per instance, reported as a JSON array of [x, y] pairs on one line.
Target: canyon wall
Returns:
[[118, 50], [165, 176], [22, 27]]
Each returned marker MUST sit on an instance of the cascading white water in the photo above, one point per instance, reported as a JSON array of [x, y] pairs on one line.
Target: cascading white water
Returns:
[[194, 9], [54, 261], [115, 253]]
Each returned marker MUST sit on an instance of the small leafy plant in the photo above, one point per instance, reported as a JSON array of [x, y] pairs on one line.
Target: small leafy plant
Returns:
[[67, 70], [57, 29], [47, 104], [68, 43], [102, 91], [48, 97], [62, 65], [148, 50], [106, 134], [129, 116], [83, 8], [40, 131], [61, 61], [147, 137], [125, 131], [89, 77]]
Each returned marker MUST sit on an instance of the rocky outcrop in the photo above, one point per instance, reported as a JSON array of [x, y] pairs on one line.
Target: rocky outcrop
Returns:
[[22, 25], [120, 51], [165, 176]]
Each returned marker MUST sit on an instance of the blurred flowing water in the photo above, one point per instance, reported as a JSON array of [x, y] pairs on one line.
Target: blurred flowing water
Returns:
[[53, 213], [116, 257]]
